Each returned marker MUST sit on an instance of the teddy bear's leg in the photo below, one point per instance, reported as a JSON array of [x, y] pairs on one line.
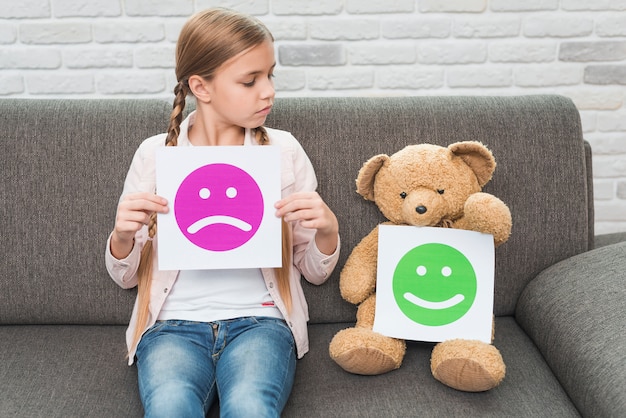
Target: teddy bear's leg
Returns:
[[360, 350], [467, 365]]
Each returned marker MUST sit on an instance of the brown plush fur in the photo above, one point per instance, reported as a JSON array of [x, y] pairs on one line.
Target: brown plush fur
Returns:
[[448, 183]]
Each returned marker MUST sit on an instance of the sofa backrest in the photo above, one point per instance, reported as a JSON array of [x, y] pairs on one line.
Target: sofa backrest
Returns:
[[63, 164]]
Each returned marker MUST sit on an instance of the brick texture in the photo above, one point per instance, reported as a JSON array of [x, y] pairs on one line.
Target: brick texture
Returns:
[[125, 48]]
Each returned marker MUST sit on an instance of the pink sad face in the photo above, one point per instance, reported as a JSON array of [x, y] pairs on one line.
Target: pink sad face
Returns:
[[218, 207]]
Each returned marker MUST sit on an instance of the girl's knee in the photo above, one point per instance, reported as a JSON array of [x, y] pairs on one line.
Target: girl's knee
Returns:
[[175, 400], [250, 406]]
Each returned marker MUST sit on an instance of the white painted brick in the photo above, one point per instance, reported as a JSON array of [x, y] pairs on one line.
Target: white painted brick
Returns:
[[479, 77], [253, 7], [594, 99], [340, 79], [416, 28], [607, 166], [592, 51], [55, 33], [288, 29], [589, 121], [306, 7], [289, 80], [610, 211], [504, 27], [610, 25], [8, 34], [11, 84], [603, 190], [142, 82], [24, 9], [170, 83], [59, 83], [121, 31], [30, 58], [86, 8], [158, 7], [453, 6], [352, 30], [605, 74], [409, 77], [609, 227], [377, 6], [312, 54], [523, 5], [620, 192], [547, 75], [612, 121], [173, 26], [161, 56], [557, 26], [577, 5], [445, 52], [381, 53], [523, 52], [98, 57], [609, 144]]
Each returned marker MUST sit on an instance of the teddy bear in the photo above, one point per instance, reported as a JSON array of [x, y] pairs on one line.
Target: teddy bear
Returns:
[[422, 185]]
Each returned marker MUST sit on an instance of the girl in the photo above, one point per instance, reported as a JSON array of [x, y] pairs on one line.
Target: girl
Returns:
[[234, 334]]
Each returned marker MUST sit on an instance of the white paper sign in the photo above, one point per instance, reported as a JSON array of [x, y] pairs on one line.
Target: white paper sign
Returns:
[[434, 284], [221, 203]]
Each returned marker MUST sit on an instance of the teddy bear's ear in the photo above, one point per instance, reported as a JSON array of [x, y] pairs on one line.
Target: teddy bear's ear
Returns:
[[477, 157], [367, 175]]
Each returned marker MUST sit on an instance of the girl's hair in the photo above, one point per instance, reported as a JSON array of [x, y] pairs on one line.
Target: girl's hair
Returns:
[[206, 41]]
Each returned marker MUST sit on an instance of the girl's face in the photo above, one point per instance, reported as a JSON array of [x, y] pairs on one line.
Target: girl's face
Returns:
[[241, 92]]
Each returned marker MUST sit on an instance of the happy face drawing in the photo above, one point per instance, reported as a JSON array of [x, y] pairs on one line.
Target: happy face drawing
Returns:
[[434, 284], [218, 207]]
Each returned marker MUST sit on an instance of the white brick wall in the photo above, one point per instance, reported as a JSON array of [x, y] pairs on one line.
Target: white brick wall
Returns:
[[124, 48]]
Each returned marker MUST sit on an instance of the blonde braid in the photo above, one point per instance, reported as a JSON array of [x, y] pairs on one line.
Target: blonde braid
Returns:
[[282, 273], [144, 271], [176, 117]]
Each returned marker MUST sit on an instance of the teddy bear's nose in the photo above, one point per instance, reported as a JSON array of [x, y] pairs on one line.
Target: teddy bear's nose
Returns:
[[421, 209]]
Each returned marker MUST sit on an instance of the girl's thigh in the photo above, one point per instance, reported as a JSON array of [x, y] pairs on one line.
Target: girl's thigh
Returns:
[[175, 369], [256, 369]]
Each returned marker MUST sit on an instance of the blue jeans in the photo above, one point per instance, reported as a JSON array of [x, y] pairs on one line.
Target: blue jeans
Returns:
[[249, 363]]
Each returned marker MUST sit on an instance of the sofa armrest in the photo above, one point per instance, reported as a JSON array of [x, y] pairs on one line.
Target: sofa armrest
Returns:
[[575, 312]]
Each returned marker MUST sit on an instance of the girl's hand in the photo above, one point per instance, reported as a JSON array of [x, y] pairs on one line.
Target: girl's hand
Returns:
[[309, 209], [133, 213]]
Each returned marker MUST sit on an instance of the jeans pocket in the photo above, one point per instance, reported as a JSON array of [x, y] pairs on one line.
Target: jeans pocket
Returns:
[[159, 325]]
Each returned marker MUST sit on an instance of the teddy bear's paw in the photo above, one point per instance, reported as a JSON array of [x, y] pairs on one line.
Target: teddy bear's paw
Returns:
[[486, 213], [363, 351], [467, 365]]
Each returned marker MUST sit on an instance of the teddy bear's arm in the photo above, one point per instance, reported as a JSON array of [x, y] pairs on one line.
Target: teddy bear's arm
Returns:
[[487, 214], [357, 280]]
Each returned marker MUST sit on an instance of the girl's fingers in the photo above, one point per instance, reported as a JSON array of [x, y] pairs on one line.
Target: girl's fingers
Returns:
[[147, 202], [135, 209]]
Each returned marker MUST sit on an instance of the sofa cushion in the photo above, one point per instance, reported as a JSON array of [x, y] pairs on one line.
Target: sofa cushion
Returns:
[[529, 389], [575, 311], [60, 371], [79, 371]]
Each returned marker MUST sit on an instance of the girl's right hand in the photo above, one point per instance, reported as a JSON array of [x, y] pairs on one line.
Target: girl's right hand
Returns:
[[133, 213]]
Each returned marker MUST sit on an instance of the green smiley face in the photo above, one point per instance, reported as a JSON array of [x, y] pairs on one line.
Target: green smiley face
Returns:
[[434, 284]]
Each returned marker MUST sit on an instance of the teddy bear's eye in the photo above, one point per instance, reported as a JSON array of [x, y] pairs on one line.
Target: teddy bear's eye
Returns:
[[440, 191], [403, 195]]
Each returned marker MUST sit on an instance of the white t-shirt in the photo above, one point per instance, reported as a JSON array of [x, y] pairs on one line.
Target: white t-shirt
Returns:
[[213, 295]]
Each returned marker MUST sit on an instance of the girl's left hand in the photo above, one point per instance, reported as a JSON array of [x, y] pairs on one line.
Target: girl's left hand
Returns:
[[309, 209]]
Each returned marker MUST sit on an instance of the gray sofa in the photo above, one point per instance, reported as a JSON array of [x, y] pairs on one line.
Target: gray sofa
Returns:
[[560, 301]]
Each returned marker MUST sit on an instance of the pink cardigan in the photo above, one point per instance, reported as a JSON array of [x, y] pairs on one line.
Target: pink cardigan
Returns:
[[296, 175]]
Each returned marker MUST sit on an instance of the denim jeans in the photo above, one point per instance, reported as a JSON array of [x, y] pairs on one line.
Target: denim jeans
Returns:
[[249, 363]]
